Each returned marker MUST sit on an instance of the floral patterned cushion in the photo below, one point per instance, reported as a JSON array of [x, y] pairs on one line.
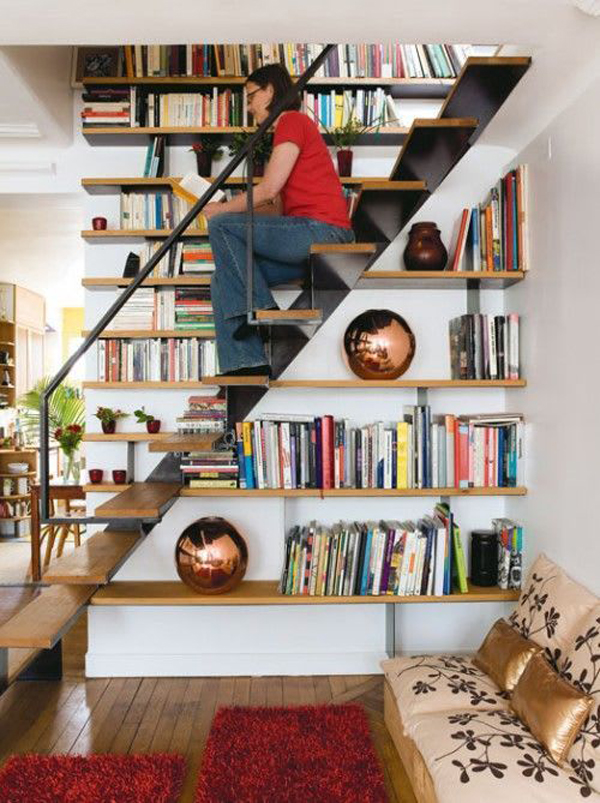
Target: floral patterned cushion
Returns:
[[581, 667], [428, 683], [473, 756], [551, 608]]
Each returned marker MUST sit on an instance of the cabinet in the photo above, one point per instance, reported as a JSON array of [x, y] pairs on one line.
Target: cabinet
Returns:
[[22, 331]]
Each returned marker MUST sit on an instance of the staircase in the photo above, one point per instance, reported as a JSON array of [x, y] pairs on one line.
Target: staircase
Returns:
[[39, 618]]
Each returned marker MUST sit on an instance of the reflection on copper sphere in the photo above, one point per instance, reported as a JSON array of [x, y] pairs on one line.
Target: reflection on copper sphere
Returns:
[[379, 344], [211, 556]]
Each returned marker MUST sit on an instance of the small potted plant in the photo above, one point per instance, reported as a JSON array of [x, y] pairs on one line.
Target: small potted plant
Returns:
[[152, 424], [207, 149], [108, 418], [262, 149], [345, 136]]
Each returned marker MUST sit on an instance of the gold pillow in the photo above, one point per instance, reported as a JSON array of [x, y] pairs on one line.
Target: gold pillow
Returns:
[[552, 709], [504, 655]]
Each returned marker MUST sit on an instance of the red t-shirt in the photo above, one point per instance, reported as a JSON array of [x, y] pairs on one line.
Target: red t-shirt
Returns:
[[313, 188]]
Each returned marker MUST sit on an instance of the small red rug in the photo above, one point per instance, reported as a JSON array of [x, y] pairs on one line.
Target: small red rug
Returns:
[[155, 778], [321, 754]]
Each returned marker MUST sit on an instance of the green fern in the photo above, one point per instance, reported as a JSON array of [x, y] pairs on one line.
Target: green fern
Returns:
[[66, 406]]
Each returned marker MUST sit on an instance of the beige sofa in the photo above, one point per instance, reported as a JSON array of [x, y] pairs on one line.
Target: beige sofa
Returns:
[[455, 731]]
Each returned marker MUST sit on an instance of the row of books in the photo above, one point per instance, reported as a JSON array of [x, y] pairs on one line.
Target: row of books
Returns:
[[510, 552], [154, 164], [156, 360], [484, 346], [494, 235], [385, 558], [189, 258], [166, 308], [421, 451], [346, 61], [367, 106], [154, 210]]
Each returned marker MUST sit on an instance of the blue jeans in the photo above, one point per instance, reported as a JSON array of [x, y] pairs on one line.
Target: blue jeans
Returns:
[[281, 253]]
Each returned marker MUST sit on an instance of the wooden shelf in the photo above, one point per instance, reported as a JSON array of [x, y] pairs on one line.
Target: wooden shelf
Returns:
[[89, 131], [15, 496], [264, 592], [394, 384], [102, 186], [96, 560], [16, 476], [438, 280], [104, 488], [358, 492], [106, 234], [233, 80], [140, 500], [154, 333], [188, 385], [103, 283], [6, 342], [343, 248], [130, 437]]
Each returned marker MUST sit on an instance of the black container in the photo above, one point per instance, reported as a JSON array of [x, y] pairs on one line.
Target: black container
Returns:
[[484, 558]]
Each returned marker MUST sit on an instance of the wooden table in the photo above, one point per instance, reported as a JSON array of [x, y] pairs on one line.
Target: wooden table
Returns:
[[58, 490]]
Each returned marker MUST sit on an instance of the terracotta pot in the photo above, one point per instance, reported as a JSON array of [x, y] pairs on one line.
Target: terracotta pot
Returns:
[[153, 426], [425, 249], [96, 475], [119, 476], [344, 160], [108, 427], [204, 163]]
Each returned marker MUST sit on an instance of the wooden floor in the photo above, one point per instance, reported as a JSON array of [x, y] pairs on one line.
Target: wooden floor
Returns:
[[137, 715]]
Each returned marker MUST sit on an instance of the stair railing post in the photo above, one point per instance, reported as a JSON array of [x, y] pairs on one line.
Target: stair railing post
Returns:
[[250, 238]]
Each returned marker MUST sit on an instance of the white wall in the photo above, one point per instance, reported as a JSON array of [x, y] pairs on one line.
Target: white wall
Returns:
[[560, 353]]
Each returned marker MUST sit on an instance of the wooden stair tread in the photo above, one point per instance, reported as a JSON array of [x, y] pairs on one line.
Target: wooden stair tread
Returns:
[[96, 560], [343, 248], [179, 442], [42, 621], [287, 314], [264, 592], [140, 500]]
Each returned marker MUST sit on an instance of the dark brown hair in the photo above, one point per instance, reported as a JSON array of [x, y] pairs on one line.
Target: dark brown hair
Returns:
[[280, 80]]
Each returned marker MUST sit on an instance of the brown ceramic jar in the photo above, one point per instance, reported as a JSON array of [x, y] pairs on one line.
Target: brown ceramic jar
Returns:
[[425, 249]]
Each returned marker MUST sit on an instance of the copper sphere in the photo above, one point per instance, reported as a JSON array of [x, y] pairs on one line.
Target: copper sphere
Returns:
[[379, 344], [211, 556]]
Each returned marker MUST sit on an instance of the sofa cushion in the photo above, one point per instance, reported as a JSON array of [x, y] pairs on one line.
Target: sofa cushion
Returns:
[[432, 683], [550, 609], [474, 756], [581, 667]]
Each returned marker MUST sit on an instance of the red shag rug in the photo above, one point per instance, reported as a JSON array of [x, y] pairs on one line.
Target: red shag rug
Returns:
[[321, 754], [155, 778]]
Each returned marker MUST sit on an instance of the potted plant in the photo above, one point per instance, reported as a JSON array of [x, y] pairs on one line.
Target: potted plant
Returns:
[[262, 149], [345, 136], [152, 423], [68, 439], [108, 418], [207, 149]]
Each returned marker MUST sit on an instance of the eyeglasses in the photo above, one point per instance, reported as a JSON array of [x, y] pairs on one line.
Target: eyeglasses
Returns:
[[249, 95]]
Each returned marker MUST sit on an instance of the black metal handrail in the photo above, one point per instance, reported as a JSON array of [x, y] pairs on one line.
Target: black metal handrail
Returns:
[[152, 262]]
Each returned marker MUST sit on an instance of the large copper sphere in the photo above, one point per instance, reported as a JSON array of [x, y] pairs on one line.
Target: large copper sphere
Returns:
[[379, 344], [211, 556]]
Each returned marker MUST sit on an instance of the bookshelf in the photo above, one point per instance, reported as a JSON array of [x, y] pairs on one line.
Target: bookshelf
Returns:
[[14, 492], [459, 132]]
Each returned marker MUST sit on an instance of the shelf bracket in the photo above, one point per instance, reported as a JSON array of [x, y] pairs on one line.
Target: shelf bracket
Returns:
[[473, 297], [390, 629]]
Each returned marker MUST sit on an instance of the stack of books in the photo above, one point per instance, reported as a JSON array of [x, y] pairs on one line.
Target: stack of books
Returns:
[[420, 451], [138, 312], [494, 235], [204, 414], [484, 347], [210, 469], [193, 308], [156, 360], [385, 558], [510, 552], [154, 210], [106, 106], [197, 258]]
